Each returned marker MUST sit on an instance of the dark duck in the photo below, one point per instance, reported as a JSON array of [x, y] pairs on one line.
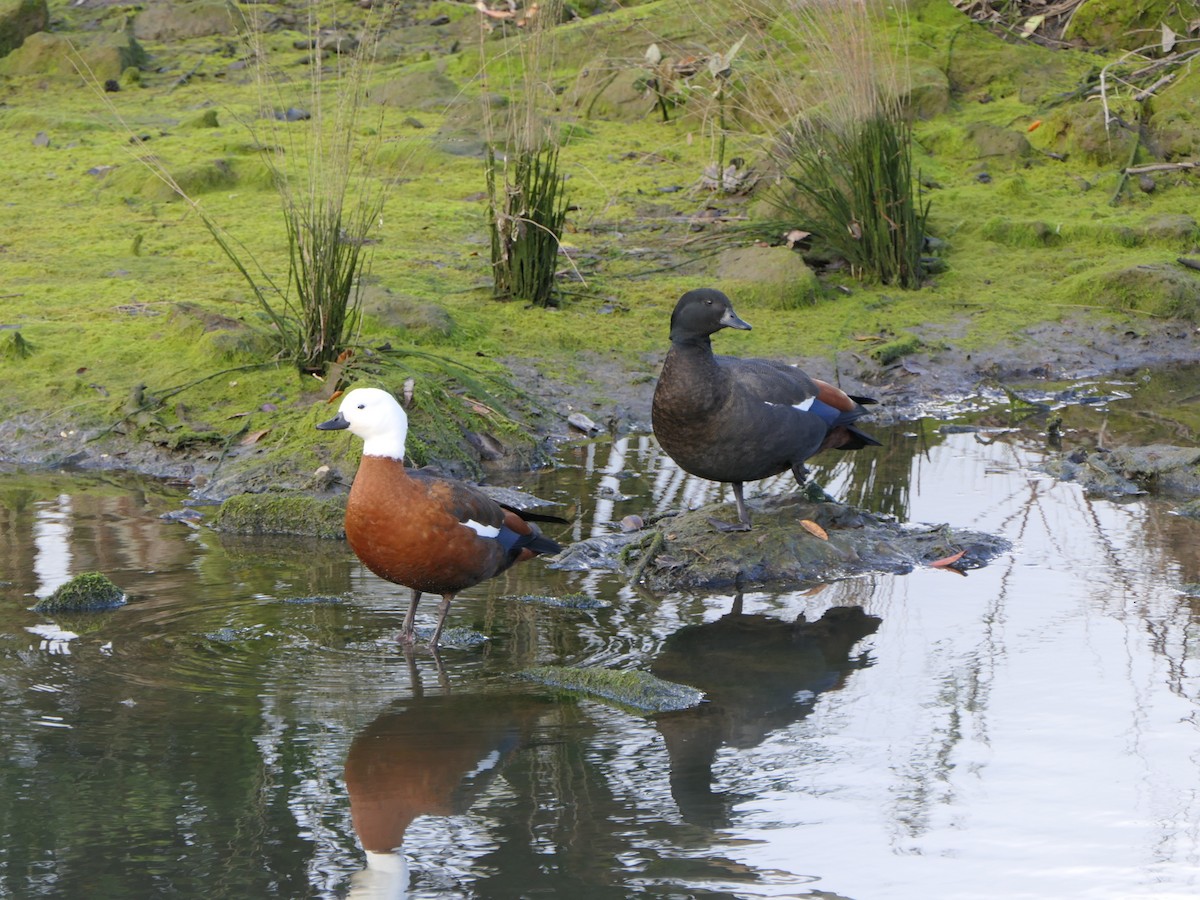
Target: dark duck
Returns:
[[736, 420], [416, 528]]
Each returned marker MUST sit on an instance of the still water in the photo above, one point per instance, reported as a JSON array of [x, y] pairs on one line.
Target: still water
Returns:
[[246, 726]]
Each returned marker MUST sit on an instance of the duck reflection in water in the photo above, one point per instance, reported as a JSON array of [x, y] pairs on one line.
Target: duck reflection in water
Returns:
[[426, 756], [760, 674]]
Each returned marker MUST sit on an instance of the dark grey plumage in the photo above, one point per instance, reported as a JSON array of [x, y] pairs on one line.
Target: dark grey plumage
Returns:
[[737, 420]]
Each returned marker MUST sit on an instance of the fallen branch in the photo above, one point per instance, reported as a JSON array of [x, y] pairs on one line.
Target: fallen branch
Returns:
[[1159, 167]]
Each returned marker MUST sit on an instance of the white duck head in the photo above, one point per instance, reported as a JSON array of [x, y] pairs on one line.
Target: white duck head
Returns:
[[376, 417]]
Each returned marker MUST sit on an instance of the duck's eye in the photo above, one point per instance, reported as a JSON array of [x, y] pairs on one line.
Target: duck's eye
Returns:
[[362, 406]]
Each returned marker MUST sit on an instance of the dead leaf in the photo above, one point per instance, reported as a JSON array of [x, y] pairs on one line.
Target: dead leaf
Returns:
[[1169, 38], [409, 384], [795, 236], [1032, 24], [814, 529], [947, 561], [1034, 125], [334, 396], [254, 437]]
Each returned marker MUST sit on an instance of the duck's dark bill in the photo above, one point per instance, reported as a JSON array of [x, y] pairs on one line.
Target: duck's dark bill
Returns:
[[731, 320], [337, 422]]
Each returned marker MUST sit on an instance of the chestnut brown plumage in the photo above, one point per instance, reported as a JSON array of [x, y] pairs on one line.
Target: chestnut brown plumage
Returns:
[[416, 528]]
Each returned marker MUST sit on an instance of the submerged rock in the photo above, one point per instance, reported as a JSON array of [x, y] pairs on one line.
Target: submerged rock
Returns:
[[566, 601], [684, 551], [88, 592], [639, 690]]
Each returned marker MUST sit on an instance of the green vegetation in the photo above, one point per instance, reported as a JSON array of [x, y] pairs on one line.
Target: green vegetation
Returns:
[[121, 315], [849, 163], [527, 205]]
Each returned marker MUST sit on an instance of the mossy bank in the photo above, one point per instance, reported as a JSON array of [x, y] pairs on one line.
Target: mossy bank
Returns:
[[128, 340]]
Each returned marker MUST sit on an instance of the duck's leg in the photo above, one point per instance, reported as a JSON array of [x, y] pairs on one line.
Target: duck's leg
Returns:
[[406, 630], [743, 522], [443, 608]]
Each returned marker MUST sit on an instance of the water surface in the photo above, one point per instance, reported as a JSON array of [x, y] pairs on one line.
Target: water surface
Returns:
[[246, 726]]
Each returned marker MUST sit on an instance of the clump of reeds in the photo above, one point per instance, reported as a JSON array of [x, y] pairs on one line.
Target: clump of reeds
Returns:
[[527, 202], [847, 159], [329, 198]]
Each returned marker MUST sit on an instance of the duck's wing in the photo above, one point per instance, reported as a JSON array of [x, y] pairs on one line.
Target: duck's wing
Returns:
[[489, 520], [781, 384], [777, 382]]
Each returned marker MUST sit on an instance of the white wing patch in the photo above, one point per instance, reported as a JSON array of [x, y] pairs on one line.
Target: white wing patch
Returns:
[[804, 405], [487, 531]]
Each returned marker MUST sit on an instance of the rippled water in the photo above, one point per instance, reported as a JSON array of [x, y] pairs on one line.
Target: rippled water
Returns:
[[246, 726]]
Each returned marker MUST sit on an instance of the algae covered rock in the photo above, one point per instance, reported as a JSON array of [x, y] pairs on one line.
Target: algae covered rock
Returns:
[[685, 551], [638, 690], [283, 513], [18, 20], [776, 277], [88, 592], [166, 20], [102, 56], [1159, 289]]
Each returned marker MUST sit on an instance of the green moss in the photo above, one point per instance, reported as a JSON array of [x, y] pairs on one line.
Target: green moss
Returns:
[[886, 354], [104, 255], [87, 592], [300, 514], [637, 690], [1161, 289]]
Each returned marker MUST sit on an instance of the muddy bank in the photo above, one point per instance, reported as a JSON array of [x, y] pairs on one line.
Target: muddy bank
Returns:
[[615, 392], [933, 378]]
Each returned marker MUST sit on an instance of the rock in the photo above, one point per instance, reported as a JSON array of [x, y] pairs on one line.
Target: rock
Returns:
[[282, 513], [165, 20], [1161, 468], [88, 592], [1158, 468], [777, 277], [101, 55], [684, 551], [639, 690], [1158, 289], [18, 20], [995, 141]]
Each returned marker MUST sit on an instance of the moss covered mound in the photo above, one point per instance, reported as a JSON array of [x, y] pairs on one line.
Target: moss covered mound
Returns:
[[88, 592], [686, 551], [19, 19], [638, 690], [285, 513]]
